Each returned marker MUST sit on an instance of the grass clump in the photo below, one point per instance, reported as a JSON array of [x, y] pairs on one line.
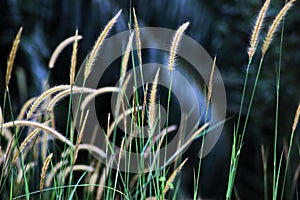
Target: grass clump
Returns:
[[24, 141]]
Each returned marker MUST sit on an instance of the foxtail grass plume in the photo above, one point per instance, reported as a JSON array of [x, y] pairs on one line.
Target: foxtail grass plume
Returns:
[[67, 92], [61, 47], [137, 38], [60, 96], [210, 84], [98, 43], [257, 28], [43, 96], [97, 92], [152, 107], [44, 170], [11, 57], [53, 132], [74, 59], [275, 25], [296, 119], [175, 44], [126, 56], [173, 175]]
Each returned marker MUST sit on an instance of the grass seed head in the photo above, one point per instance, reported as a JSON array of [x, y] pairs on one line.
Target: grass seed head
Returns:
[[173, 175], [257, 28], [98, 44], [74, 59], [44, 170], [210, 85], [126, 56], [137, 38], [296, 119], [61, 47], [152, 107], [175, 45], [12, 56], [274, 26]]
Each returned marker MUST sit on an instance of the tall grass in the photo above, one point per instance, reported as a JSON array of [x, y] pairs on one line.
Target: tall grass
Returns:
[[238, 141], [63, 176]]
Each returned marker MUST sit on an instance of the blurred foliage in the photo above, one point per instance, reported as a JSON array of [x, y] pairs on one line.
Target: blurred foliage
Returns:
[[222, 27]]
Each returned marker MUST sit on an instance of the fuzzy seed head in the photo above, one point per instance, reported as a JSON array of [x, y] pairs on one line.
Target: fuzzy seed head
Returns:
[[44, 170], [175, 45], [12, 56], [296, 119], [257, 27], [61, 47], [274, 26], [96, 48], [74, 59]]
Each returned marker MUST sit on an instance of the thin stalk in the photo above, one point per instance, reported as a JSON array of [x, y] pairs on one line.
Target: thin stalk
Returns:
[[69, 125], [278, 174], [241, 138], [243, 93], [205, 121], [277, 111], [16, 136], [289, 154], [11, 186], [252, 98]]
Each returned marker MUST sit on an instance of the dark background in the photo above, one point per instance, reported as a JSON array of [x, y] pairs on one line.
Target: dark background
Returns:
[[221, 27]]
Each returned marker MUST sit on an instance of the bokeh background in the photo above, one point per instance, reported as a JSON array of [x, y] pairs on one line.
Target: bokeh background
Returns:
[[222, 27]]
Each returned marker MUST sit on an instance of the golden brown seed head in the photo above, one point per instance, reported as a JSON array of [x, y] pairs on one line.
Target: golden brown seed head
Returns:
[[257, 27], [98, 44], [12, 56], [275, 25], [175, 44], [44, 169], [296, 119], [137, 36], [74, 59]]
